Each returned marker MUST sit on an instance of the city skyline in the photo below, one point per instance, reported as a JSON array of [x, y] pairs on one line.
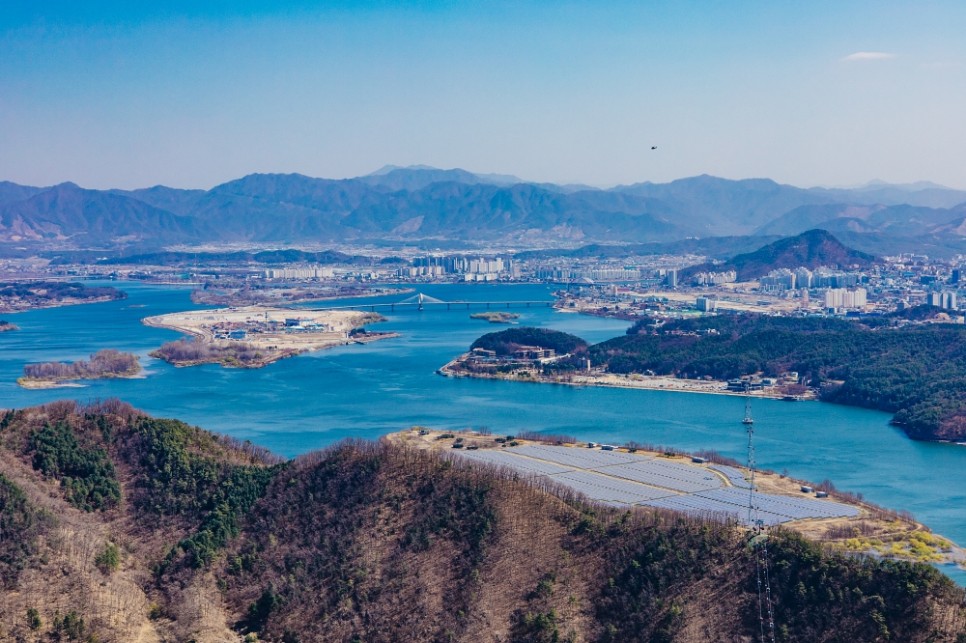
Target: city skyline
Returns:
[[193, 94]]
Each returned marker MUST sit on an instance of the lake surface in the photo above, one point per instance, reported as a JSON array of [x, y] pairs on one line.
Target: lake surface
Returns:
[[309, 402]]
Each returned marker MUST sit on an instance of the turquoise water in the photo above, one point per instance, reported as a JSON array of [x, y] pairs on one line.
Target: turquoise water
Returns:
[[311, 401]]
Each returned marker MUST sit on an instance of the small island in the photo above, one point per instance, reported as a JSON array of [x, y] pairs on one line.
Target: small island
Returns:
[[6, 327], [103, 364], [496, 317], [18, 296], [255, 336]]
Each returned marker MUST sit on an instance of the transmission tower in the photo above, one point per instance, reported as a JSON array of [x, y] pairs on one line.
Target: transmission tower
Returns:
[[759, 539]]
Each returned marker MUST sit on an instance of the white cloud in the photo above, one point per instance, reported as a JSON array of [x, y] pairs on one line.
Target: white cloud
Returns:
[[868, 55]]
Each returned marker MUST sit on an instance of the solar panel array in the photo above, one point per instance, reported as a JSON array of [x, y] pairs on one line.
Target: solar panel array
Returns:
[[576, 457], [621, 479], [612, 490], [793, 508], [668, 475], [505, 458], [699, 506]]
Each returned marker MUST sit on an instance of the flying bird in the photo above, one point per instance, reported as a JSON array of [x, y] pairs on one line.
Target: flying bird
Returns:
[[654, 147]]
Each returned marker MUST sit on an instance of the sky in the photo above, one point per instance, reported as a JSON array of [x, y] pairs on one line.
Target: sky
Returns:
[[191, 93]]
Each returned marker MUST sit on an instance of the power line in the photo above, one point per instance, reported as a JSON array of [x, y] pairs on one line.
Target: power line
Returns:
[[759, 538]]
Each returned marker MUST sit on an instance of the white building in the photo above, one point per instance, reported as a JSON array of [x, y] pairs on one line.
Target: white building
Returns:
[[945, 299], [846, 298], [307, 272], [706, 304]]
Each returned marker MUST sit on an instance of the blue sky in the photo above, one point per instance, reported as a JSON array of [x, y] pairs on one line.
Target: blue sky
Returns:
[[190, 94]]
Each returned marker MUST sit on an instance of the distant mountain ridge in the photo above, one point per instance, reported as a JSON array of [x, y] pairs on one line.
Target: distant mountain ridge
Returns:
[[396, 204]]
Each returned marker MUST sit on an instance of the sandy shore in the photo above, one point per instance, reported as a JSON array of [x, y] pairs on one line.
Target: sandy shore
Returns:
[[34, 383], [7, 307], [24, 382]]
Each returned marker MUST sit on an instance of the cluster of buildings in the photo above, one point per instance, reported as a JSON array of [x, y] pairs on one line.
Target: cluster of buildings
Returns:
[[587, 275], [890, 285], [894, 285], [783, 279], [714, 278], [521, 353], [241, 330], [467, 267], [300, 273], [945, 299]]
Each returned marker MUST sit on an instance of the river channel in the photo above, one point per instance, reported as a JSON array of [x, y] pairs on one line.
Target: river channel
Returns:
[[309, 402]]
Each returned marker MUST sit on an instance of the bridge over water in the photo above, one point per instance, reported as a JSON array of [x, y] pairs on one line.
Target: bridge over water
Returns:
[[421, 301]]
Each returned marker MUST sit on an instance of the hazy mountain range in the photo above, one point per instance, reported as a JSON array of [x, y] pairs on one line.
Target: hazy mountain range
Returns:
[[422, 204]]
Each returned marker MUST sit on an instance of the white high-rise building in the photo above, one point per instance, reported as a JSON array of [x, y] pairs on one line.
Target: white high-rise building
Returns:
[[846, 298], [945, 299], [803, 278]]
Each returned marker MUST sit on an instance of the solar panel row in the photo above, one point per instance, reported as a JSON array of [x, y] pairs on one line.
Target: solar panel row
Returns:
[[734, 476], [582, 458], [697, 506], [598, 486], [677, 477], [509, 459], [794, 508]]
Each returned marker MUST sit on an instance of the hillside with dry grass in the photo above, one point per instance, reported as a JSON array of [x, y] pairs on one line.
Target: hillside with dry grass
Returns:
[[115, 526]]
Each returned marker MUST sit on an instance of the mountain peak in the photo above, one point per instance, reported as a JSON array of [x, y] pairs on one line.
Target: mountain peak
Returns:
[[811, 249], [66, 185], [386, 169]]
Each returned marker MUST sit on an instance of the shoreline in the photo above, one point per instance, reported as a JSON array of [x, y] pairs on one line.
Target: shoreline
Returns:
[[31, 383], [11, 310], [272, 356], [611, 380], [300, 300], [266, 334]]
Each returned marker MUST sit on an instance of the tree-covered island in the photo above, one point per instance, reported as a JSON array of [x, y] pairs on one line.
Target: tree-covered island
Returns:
[[496, 316], [107, 363], [18, 296]]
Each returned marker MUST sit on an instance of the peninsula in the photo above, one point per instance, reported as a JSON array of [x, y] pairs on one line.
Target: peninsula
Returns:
[[103, 364], [254, 336], [913, 371], [697, 484]]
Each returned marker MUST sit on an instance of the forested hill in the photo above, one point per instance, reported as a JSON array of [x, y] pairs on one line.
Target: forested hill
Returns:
[[115, 526], [811, 249], [504, 342], [917, 372]]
